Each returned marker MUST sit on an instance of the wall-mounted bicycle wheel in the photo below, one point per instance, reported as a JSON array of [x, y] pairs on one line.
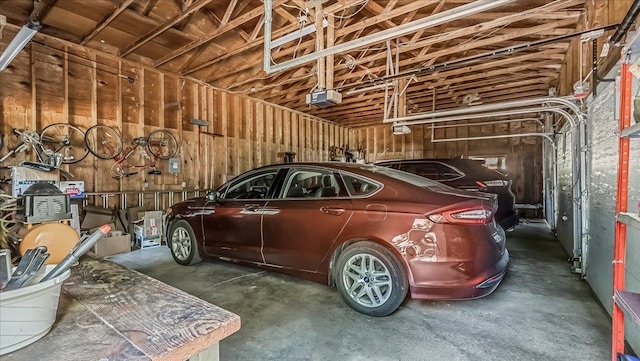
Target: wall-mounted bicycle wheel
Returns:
[[65, 139], [104, 142], [162, 144]]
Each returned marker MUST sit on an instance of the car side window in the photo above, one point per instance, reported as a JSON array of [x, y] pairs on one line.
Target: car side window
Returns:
[[358, 186], [427, 170], [311, 183], [255, 186]]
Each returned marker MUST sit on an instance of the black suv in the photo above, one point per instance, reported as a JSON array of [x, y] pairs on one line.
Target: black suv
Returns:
[[465, 174]]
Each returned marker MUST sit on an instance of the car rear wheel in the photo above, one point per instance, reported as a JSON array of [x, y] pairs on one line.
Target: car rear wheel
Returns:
[[182, 243], [370, 279]]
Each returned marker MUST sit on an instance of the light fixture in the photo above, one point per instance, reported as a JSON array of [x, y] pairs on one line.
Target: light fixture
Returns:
[[297, 34], [400, 129], [18, 43]]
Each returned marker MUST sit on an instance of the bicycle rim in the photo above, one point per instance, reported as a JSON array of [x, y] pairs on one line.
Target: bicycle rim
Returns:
[[65, 139], [104, 142], [162, 144]]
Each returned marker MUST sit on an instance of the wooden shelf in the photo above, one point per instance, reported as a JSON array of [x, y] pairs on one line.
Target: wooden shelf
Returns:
[[631, 132], [630, 219], [629, 302]]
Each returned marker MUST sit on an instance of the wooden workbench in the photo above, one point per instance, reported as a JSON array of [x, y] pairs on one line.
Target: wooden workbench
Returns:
[[108, 312]]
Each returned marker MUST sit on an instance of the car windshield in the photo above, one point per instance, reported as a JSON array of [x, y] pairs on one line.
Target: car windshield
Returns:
[[416, 180]]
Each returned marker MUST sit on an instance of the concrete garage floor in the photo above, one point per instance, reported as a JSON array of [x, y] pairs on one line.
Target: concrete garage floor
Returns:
[[540, 312]]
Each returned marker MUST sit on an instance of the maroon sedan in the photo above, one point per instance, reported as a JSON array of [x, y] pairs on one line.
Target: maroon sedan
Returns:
[[373, 232]]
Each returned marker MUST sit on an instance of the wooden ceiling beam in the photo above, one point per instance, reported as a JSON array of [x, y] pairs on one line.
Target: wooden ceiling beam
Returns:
[[251, 44], [193, 58], [150, 5], [214, 34], [285, 52], [40, 10], [480, 67], [287, 15], [414, 95], [356, 102], [427, 99], [227, 14], [492, 24], [390, 5], [103, 24], [215, 20], [454, 34], [384, 17], [256, 29], [468, 46], [183, 24], [358, 120], [511, 71], [164, 26]]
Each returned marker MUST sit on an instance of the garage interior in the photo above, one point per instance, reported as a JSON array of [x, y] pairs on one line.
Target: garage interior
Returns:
[[541, 90]]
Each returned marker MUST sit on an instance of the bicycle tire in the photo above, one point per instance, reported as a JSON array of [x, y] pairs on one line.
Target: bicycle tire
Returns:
[[65, 139], [103, 141], [162, 144]]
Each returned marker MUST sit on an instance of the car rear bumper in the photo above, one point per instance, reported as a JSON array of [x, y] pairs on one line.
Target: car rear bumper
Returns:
[[485, 286]]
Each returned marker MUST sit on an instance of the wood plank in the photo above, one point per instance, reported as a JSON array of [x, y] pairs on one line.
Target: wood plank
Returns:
[[629, 302], [136, 307]]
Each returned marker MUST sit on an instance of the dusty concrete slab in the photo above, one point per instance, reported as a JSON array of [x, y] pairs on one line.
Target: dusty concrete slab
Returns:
[[540, 312]]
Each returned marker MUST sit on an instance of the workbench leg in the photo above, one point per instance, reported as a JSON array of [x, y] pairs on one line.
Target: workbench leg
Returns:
[[210, 354]]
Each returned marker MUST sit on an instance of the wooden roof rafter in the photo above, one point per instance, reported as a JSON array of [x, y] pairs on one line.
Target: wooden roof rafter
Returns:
[[117, 11], [214, 34], [165, 26]]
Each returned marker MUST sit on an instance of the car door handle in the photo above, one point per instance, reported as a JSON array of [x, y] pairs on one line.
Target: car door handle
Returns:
[[333, 211], [251, 207]]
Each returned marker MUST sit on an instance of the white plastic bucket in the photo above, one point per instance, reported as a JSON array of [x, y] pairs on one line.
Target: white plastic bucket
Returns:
[[27, 313]]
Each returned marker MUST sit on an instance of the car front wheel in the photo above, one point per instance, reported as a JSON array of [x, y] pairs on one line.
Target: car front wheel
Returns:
[[182, 242], [370, 279]]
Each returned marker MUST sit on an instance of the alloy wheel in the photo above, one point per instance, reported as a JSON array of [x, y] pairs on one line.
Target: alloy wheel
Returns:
[[181, 243], [367, 280]]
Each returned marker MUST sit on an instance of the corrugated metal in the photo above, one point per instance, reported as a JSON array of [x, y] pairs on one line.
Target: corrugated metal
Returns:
[[603, 124]]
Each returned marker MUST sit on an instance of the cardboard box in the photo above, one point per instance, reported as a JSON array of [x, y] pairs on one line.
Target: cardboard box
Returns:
[[149, 241], [96, 216], [75, 190], [108, 246], [130, 215], [149, 224], [23, 178]]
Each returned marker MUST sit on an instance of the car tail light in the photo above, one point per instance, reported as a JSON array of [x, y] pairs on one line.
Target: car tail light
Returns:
[[496, 183], [473, 215]]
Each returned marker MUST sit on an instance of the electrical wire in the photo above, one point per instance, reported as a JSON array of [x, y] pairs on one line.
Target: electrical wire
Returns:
[[355, 13]]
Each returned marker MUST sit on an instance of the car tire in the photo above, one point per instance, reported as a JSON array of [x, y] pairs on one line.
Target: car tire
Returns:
[[371, 279], [182, 243]]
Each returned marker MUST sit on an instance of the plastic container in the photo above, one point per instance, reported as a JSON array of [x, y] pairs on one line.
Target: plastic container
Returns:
[[28, 313]]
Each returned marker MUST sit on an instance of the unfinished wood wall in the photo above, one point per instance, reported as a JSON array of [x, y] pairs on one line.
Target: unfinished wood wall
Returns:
[[44, 85], [523, 155]]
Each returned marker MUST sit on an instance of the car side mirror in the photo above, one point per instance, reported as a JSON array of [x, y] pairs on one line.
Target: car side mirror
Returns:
[[213, 196]]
